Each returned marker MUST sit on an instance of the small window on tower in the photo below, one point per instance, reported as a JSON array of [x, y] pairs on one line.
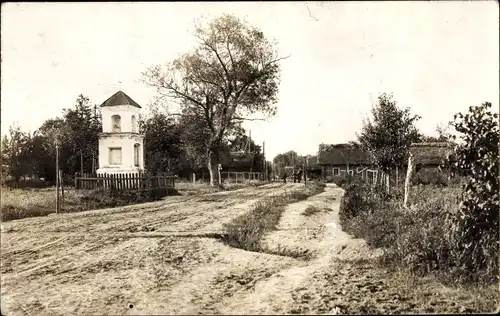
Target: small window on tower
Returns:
[[136, 154], [134, 124], [116, 122]]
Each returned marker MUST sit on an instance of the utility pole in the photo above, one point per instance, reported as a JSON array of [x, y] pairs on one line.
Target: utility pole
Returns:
[[81, 162], [264, 156], [93, 154], [57, 175], [305, 171], [249, 141]]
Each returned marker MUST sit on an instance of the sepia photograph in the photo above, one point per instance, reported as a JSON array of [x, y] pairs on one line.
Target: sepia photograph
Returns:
[[250, 158]]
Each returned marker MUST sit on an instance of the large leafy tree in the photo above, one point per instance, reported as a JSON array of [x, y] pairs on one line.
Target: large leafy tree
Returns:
[[231, 75], [389, 134]]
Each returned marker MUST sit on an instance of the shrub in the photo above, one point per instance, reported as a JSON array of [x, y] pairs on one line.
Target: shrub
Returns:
[[344, 179], [430, 176], [477, 226], [422, 238], [359, 198]]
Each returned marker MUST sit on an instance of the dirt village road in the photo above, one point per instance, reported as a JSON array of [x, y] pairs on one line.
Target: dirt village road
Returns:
[[160, 258]]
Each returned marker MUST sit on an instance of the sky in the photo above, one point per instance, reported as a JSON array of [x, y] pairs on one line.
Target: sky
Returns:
[[437, 58]]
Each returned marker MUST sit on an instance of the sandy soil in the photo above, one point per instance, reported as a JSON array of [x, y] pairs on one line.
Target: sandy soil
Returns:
[[159, 258]]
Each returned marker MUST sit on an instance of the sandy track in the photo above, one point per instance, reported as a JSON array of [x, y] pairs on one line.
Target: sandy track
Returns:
[[158, 258]]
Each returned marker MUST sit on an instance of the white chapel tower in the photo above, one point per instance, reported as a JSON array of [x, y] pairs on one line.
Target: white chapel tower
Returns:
[[120, 144]]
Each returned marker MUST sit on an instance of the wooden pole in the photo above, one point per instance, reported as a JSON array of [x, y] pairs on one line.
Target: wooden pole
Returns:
[[264, 158], [57, 177], [408, 179], [305, 171], [249, 147], [61, 184], [81, 162]]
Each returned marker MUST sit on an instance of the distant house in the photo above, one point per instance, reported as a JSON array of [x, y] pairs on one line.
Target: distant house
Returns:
[[340, 158]]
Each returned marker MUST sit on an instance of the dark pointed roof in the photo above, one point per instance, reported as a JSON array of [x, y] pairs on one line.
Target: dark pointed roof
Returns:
[[120, 98]]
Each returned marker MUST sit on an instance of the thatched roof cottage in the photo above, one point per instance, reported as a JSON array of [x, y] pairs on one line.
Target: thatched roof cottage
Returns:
[[431, 155], [337, 158]]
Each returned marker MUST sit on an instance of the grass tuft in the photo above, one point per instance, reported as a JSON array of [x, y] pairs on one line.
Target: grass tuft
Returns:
[[311, 210]]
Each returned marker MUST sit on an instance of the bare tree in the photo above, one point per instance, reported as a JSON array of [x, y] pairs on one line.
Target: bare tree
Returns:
[[231, 75]]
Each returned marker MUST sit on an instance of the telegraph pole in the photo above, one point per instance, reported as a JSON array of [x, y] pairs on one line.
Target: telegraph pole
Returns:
[[57, 175], [264, 155], [305, 171], [249, 141]]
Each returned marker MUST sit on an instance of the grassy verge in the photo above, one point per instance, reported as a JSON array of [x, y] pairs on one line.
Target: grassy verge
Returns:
[[247, 230], [23, 203]]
